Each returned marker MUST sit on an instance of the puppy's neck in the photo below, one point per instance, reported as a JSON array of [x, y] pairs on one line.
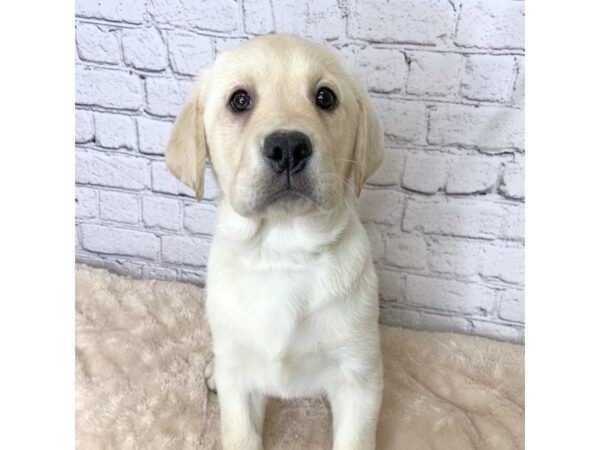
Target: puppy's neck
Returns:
[[286, 236]]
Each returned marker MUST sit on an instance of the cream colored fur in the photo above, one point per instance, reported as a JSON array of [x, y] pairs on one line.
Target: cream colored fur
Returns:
[[141, 347], [292, 297]]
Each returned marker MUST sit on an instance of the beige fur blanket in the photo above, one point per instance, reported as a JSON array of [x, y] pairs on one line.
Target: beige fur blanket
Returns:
[[141, 348]]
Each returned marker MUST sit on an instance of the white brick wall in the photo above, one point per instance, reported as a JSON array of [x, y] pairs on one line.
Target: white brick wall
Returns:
[[445, 213]]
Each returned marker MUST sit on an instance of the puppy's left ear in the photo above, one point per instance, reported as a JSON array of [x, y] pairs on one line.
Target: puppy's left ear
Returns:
[[368, 149], [186, 152]]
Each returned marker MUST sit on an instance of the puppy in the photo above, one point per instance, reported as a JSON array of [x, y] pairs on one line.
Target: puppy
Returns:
[[292, 297]]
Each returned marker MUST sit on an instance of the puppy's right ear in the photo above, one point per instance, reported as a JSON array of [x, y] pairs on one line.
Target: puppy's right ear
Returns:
[[186, 152]]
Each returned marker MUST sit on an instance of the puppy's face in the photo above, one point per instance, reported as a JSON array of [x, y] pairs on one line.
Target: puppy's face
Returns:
[[285, 126]]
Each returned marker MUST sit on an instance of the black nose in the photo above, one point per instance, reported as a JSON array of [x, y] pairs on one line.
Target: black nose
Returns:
[[287, 151]]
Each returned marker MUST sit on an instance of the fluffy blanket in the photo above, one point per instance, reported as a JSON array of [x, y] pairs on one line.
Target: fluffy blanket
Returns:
[[141, 348]]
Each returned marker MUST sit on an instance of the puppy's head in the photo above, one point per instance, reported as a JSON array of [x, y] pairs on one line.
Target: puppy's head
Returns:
[[286, 128]]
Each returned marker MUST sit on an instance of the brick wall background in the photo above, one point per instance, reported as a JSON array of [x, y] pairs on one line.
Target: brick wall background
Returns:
[[445, 212]]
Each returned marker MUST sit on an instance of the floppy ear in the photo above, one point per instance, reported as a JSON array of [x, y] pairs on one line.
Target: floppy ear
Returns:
[[368, 149], [186, 152]]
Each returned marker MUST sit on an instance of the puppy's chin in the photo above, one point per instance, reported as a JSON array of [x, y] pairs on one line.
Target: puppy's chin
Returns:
[[275, 197]]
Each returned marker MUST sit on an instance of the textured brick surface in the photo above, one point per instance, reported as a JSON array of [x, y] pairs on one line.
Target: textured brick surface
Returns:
[[489, 77], [414, 21], [189, 52], [166, 95], [433, 74], [491, 24], [444, 213], [115, 131], [477, 126], [84, 126], [98, 44], [144, 48], [118, 89], [162, 213], [153, 135], [112, 240], [119, 207]]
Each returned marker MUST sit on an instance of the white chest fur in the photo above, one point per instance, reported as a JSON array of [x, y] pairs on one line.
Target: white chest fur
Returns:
[[287, 300]]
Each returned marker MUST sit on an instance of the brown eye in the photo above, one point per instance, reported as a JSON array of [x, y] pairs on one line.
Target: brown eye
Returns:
[[325, 98], [240, 101]]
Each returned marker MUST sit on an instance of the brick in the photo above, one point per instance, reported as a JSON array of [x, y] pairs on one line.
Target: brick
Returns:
[[115, 131], [513, 226], [196, 14], [108, 88], [456, 217], [512, 184], [488, 78], [518, 97], [119, 207], [454, 256], [111, 170], [406, 21], [86, 203], [118, 241], [131, 11], [504, 332], [199, 218], [165, 182], [185, 250], [144, 48], [402, 121], [224, 44], [196, 276], [118, 265], [346, 54], [189, 53], [383, 69], [165, 96], [375, 235], [98, 44], [382, 206], [320, 13], [425, 173], [512, 305], [449, 295], [483, 127], [318, 21], [504, 263], [258, 17], [407, 251], [391, 285], [434, 74], [472, 174], [163, 213], [388, 174], [153, 135], [421, 320], [491, 24], [84, 126], [159, 273]]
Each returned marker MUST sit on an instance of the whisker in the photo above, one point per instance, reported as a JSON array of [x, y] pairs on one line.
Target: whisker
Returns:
[[344, 182]]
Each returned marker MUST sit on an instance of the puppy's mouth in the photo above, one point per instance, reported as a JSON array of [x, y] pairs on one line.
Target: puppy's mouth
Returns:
[[290, 194]]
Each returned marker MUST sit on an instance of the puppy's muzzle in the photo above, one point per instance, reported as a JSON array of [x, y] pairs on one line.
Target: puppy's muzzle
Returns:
[[287, 152]]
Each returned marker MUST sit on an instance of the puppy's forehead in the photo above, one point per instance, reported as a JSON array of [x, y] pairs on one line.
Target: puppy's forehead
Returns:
[[281, 59]]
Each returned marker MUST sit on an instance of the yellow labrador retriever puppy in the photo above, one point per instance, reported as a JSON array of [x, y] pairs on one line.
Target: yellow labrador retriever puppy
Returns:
[[292, 294]]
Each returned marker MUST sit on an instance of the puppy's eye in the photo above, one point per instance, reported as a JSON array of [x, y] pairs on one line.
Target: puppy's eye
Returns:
[[240, 101], [325, 98]]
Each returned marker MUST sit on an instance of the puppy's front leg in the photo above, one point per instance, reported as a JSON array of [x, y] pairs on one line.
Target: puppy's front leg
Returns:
[[355, 407], [242, 415]]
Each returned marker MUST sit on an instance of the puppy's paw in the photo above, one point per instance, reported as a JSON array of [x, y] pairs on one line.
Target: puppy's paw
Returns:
[[209, 376]]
